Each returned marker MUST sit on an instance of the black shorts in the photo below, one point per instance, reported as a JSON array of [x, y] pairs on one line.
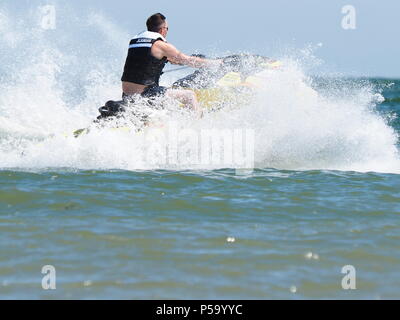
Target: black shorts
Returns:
[[154, 91], [149, 92]]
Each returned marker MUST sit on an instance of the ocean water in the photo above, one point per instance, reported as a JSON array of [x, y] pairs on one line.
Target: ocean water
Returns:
[[117, 221]]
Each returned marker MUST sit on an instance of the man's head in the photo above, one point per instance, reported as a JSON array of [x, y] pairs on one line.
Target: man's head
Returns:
[[158, 23]]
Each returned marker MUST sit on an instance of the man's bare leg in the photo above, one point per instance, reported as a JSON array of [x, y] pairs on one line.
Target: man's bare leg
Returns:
[[187, 97]]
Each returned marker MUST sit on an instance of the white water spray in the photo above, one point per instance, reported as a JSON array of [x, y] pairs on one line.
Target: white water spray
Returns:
[[49, 91]]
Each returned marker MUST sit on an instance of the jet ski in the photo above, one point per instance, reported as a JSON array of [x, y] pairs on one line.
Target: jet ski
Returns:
[[230, 84]]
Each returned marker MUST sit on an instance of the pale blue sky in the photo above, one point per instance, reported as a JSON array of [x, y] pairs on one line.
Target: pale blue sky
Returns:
[[269, 27]]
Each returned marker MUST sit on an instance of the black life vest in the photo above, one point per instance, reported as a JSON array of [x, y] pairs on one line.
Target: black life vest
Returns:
[[140, 66]]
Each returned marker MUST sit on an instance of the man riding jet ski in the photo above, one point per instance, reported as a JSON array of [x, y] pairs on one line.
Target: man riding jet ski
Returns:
[[208, 87], [147, 56], [148, 53]]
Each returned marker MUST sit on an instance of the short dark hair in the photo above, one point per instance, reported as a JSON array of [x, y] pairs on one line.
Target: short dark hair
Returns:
[[155, 22]]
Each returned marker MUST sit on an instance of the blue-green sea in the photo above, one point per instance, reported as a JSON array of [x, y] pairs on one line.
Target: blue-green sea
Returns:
[[202, 234], [199, 235]]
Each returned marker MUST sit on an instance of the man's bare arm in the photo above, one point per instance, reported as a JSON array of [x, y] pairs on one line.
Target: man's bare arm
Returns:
[[163, 49]]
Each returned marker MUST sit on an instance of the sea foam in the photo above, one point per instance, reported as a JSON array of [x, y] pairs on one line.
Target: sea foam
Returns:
[[53, 82]]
